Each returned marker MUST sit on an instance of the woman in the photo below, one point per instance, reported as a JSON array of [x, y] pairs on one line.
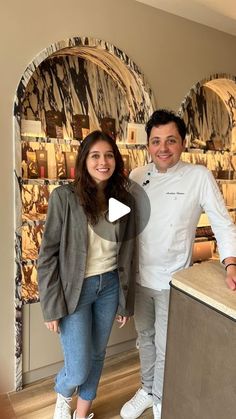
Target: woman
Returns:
[[86, 269]]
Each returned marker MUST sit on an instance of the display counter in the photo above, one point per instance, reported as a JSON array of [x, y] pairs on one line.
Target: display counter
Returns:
[[200, 370]]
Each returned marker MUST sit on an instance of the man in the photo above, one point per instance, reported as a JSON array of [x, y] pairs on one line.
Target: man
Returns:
[[178, 193]]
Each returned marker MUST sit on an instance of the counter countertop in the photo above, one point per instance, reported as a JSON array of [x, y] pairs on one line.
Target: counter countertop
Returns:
[[206, 282]]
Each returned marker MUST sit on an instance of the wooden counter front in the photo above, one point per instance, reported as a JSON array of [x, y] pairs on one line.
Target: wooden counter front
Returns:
[[200, 371]]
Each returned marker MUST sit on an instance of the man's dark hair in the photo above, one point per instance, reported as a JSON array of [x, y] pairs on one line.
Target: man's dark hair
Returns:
[[163, 117]]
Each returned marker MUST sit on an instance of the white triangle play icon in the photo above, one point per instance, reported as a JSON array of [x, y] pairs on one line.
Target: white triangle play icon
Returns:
[[116, 210]]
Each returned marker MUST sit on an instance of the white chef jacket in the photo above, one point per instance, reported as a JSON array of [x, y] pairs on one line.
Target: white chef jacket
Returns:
[[178, 197]]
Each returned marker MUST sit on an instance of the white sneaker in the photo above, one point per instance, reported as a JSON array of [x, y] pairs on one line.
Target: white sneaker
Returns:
[[136, 406], [87, 417], [157, 411], [62, 408]]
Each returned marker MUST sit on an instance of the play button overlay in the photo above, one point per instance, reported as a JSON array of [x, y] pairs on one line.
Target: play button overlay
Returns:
[[116, 210], [124, 219]]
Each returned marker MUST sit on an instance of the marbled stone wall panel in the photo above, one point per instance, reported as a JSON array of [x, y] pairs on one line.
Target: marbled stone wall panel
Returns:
[[208, 122], [137, 155], [215, 161], [73, 86], [35, 201], [31, 240], [226, 90], [223, 86], [29, 283], [18, 312]]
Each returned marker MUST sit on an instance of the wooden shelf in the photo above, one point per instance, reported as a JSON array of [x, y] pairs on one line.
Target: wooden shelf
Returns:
[[204, 239], [41, 181], [226, 181], [69, 141]]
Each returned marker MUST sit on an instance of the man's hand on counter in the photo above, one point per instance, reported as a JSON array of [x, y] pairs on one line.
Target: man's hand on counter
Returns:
[[230, 267]]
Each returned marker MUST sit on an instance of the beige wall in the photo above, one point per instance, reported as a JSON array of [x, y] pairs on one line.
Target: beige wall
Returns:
[[172, 52]]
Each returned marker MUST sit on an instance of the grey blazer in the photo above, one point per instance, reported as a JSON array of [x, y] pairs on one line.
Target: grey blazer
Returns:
[[63, 252]]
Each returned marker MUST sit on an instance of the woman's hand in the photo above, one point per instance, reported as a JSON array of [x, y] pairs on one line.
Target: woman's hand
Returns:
[[122, 320], [53, 326]]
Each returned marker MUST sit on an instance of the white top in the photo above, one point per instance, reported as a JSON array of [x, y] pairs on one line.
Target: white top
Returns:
[[102, 248], [177, 199]]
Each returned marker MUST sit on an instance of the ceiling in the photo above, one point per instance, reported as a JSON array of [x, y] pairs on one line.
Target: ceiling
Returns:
[[218, 14]]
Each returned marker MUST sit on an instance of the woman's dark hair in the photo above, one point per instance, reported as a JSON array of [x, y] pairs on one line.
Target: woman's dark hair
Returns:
[[86, 187], [163, 117]]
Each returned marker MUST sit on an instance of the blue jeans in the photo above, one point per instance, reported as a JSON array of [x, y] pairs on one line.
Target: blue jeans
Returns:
[[84, 336]]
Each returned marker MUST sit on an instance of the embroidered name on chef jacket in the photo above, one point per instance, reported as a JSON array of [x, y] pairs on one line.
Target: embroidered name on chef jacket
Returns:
[[175, 193]]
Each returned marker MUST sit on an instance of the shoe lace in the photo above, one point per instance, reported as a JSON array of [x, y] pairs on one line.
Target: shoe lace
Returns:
[[138, 399], [89, 417]]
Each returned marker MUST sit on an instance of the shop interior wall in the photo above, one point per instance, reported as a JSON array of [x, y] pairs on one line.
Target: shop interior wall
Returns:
[[172, 52]]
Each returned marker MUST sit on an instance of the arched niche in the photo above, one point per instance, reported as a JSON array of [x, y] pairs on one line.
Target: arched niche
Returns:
[[82, 76], [209, 111], [89, 64]]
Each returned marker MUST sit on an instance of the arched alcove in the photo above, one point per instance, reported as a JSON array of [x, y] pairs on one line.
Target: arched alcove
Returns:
[[209, 111], [80, 80]]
